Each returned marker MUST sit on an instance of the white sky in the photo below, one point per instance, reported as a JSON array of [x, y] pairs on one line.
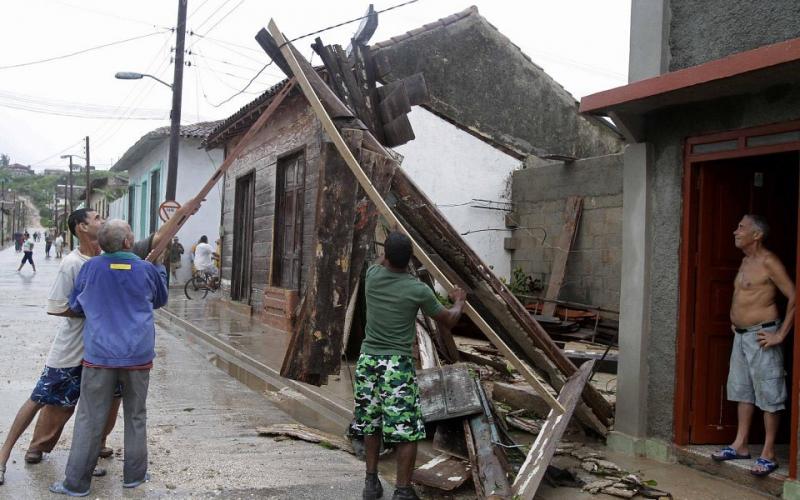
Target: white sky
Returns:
[[583, 44]]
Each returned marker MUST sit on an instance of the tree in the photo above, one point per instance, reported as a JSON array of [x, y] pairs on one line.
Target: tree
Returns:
[[5, 160]]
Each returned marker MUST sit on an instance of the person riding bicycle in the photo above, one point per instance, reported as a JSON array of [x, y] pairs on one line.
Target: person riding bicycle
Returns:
[[204, 255]]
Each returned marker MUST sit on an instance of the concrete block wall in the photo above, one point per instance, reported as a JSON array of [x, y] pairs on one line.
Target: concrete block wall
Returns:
[[539, 195]]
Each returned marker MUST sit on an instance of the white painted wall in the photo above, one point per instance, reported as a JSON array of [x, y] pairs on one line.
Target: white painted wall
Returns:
[[195, 167], [453, 167]]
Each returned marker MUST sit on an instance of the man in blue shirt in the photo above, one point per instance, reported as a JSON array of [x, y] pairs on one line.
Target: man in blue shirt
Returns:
[[117, 292]]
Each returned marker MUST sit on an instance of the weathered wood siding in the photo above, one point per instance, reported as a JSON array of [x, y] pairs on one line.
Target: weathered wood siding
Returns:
[[293, 128]]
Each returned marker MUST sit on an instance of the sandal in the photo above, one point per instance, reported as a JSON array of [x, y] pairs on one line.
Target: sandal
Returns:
[[767, 467], [2, 474], [60, 489], [728, 453], [106, 452]]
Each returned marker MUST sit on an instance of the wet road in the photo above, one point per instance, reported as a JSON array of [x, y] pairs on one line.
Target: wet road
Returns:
[[201, 422]]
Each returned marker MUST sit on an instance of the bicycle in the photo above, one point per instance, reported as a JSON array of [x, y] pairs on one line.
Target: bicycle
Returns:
[[200, 284]]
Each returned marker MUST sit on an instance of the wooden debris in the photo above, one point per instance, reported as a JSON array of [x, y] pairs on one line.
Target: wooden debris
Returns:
[[449, 438], [443, 472], [528, 425], [447, 392], [533, 469], [490, 470], [303, 433], [563, 246]]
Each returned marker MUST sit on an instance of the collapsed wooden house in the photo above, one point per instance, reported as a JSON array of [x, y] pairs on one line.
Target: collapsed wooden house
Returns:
[[299, 227]]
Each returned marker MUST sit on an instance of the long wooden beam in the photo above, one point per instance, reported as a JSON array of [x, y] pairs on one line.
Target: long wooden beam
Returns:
[[174, 224], [526, 372]]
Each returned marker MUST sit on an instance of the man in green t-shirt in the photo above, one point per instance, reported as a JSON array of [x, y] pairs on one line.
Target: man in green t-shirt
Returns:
[[386, 392]]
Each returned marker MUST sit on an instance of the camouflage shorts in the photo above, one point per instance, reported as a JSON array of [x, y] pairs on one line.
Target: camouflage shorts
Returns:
[[387, 398]]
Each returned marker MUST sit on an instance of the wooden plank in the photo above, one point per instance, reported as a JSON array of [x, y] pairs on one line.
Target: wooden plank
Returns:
[[393, 102], [398, 131], [490, 292], [427, 353], [384, 209], [491, 472], [416, 89], [566, 238], [322, 318], [174, 224], [442, 472], [449, 438], [473, 458], [533, 469]]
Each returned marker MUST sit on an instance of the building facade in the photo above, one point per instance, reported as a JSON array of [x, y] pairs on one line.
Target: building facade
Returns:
[[712, 117]]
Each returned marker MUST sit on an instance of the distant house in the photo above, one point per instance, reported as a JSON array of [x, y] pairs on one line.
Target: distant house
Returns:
[[146, 164], [18, 170], [55, 172], [104, 191]]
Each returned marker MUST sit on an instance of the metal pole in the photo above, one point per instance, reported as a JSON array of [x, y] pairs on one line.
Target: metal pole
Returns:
[[71, 205], [88, 175], [177, 92]]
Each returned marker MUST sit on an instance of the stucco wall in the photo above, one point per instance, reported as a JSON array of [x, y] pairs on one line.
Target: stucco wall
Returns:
[[194, 169], [452, 167], [539, 196], [703, 30], [667, 131]]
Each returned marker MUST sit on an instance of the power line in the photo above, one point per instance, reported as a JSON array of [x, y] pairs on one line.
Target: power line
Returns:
[[83, 51], [110, 14], [226, 2], [225, 16], [197, 9], [242, 91], [350, 21]]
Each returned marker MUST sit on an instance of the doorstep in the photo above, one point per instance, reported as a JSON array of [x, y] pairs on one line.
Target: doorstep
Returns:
[[738, 471]]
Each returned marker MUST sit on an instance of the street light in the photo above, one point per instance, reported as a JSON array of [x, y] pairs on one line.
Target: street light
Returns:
[[130, 75]]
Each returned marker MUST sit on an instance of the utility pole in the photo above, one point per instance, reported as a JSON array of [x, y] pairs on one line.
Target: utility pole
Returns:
[[88, 175], [177, 93]]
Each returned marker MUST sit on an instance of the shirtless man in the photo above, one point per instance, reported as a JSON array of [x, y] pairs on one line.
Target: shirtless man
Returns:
[[756, 376]]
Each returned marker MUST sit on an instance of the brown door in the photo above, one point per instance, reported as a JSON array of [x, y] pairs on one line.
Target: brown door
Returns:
[[765, 185], [241, 270], [289, 222]]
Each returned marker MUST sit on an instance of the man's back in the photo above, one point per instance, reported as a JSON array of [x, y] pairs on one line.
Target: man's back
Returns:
[[118, 292], [393, 300], [202, 256]]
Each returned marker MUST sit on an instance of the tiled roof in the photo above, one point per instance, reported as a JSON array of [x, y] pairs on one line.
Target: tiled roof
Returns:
[[428, 27], [232, 125], [136, 152]]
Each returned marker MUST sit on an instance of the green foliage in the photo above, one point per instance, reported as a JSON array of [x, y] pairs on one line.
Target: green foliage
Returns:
[[5, 160], [521, 283]]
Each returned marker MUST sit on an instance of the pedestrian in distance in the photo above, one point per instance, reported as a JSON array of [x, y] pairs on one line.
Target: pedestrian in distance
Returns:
[[59, 244], [204, 255], [175, 253], [386, 393], [48, 243], [27, 250], [117, 292], [18, 242], [756, 377], [57, 391]]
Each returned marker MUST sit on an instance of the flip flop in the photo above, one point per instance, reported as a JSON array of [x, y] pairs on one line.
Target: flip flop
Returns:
[[106, 452], [58, 487], [728, 453], [2, 474], [99, 472], [768, 466]]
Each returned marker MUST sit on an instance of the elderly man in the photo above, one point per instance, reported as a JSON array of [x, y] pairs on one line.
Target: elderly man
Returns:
[[117, 292], [756, 376]]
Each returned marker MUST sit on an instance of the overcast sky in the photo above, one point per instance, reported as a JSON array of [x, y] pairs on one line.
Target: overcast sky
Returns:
[[583, 44]]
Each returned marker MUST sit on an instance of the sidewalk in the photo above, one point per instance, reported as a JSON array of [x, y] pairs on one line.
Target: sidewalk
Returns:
[[253, 352], [201, 422]]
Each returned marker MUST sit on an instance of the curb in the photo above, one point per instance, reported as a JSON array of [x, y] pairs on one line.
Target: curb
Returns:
[[301, 401]]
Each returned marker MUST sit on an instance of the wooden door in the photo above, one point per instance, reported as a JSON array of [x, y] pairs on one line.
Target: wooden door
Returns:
[[241, 271], [287, 259], [764, 185]]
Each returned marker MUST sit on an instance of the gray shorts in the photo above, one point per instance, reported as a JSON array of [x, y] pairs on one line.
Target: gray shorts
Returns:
[[756, 375]]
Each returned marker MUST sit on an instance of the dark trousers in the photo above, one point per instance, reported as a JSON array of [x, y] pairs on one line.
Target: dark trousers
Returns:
[[97, 393], [28, 257]]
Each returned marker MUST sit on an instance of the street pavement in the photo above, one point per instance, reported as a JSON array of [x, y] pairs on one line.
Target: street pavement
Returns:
[[201, 422]]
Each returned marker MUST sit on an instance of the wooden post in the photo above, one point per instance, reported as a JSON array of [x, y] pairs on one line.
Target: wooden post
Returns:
[[572, 215], [379, 202]]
